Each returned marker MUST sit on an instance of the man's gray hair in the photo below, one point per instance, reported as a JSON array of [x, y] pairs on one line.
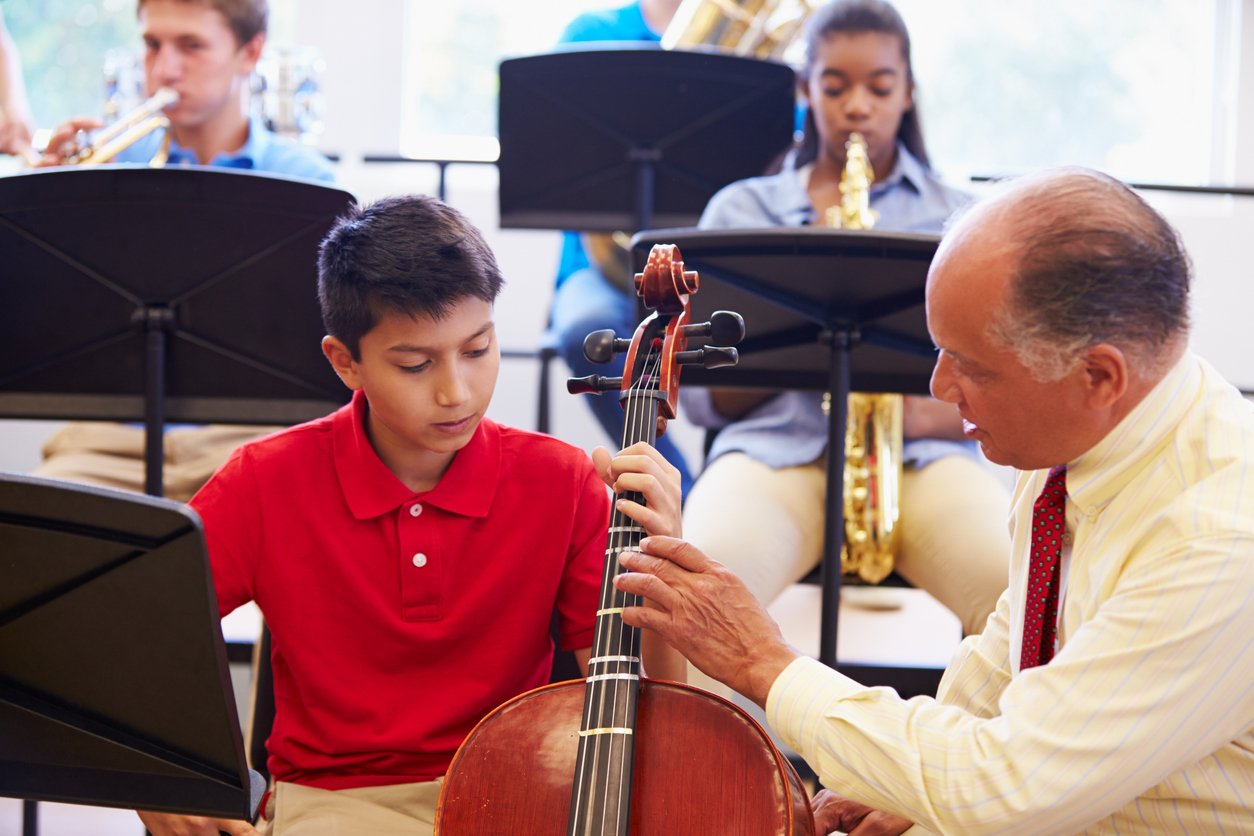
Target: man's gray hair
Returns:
[[1096, 264]]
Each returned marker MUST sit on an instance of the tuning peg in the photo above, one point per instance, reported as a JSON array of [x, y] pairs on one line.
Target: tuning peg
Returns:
[[593, 383], [710, 356], [724, 328], [601, 346]]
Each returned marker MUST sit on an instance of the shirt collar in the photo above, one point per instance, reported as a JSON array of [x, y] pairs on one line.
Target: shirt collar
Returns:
[[1097, 476], [907, 170], [371, 489], [246, 156]]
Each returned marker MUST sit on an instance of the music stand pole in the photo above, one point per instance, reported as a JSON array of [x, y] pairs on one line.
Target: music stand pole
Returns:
[[157, 321], [834, 519], [645, 161]]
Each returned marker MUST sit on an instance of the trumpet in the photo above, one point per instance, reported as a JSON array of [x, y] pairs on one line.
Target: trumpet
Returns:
[[113, 139]]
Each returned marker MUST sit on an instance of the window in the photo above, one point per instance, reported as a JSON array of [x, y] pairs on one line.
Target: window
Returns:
[[451, 55], [1134, 87], [64, 45]]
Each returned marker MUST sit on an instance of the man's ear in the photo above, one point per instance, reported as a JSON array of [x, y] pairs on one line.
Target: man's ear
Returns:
[[1105, 370], [341, 359]]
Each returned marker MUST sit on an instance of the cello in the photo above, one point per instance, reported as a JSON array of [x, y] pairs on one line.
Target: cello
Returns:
[[618, 754]]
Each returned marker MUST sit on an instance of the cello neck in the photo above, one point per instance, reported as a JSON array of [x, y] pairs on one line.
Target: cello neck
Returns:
[[601, 792]]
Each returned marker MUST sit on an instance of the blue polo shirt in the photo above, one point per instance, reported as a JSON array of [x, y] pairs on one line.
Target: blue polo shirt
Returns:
[[264, 151], [625, 23]]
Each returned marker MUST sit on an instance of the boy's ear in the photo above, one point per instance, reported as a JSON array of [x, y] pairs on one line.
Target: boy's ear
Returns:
[[250, 53], [341, 359]]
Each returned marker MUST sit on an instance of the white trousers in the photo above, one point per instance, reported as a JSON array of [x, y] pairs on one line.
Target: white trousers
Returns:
[[766, 524]]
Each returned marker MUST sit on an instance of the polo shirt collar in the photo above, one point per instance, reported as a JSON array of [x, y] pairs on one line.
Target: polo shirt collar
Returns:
[[1097, 476], [371, 489], [246, 156]]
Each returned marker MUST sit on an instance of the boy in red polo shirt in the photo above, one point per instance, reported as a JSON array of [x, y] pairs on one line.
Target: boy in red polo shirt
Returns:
[[408, 552]]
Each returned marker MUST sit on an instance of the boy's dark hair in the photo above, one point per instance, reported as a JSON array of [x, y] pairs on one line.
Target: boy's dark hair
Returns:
[[412, 255]]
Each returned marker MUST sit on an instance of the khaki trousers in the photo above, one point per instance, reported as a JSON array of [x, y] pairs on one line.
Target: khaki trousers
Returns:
[[398, 810], [112, 455]]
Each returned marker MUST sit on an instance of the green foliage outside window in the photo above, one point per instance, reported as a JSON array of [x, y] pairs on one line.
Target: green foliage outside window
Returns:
[[63, 45]]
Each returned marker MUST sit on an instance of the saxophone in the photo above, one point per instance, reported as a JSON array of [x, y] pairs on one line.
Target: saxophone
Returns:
[[873, 432]]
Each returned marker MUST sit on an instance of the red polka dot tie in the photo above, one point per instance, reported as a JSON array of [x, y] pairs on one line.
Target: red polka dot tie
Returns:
[[1040, 613]]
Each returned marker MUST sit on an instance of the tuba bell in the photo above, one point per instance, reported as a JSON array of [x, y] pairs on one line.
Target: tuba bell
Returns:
[[751, 28], [873, 432]]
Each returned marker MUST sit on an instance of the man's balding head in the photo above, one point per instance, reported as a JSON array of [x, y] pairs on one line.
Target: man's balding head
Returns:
[[1057, 305], [1094, 264]]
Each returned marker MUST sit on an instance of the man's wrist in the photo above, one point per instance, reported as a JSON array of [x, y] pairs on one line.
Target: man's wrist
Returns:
[[763, 671]]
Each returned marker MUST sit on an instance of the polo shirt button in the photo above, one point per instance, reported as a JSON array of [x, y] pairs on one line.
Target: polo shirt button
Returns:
[[420, 560], [415, 509]]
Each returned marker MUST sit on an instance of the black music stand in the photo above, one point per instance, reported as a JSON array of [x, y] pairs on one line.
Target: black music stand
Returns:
[[626, 138], [180, 294], [825, 309], [114, 688]]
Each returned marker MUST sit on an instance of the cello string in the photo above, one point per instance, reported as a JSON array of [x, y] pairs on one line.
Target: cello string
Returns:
[[603, 702], [640, 411]]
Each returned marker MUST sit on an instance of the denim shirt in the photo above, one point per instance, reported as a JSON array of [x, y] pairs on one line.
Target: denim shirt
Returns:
[[791, 429], [264, 151]]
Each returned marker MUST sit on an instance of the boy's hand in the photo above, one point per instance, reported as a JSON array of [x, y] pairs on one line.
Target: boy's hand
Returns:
[[61, 143], [174, 824], [642, 469]]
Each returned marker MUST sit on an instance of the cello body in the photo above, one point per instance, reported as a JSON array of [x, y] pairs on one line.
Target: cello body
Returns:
[[701, 766]]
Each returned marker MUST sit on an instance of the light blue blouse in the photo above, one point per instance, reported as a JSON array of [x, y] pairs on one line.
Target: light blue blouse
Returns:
[[791, 429]]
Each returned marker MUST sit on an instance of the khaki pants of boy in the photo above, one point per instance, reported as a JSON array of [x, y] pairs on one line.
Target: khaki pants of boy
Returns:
[[399, 810], [112, 455]]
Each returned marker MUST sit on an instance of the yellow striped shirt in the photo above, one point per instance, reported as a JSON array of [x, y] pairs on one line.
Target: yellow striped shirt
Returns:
[[1144, 720]]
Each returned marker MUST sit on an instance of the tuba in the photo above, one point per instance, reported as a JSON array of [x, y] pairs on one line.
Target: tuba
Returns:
[[873, 433], [752, 28]]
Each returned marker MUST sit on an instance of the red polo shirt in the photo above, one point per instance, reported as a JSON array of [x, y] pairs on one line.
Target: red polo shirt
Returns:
[[400, 619]]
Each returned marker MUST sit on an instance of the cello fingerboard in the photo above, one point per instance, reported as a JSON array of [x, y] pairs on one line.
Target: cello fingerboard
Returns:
[[601, 791]]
